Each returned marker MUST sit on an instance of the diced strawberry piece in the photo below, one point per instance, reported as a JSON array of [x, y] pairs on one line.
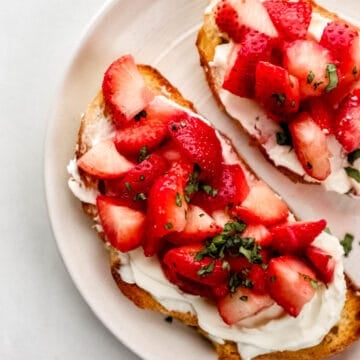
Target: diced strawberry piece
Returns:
[[276, 90], [347, 122], [148, 129], [262, 206], [198, 142], [313, 65], [323, 263], [206, 271], [238, 263], [295, 237], [240, 76], [189, 286], [139, 179], [257, 276], [259, 232], [311, 147], [170, 151], [242, 304], [291, 19], [227, 20], [291, 283], [220, 291], [124, 90], [166, 211], [103, 161], [123, 227], [199, 226], [230, 187], [321, 113]]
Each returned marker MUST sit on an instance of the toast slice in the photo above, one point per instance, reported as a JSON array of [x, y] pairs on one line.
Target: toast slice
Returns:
[[284, 156], [97, 117]]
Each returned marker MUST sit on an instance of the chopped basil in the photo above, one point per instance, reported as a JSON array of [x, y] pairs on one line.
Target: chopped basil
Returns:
[[243, 298], [201, 215], [140, 196], [353, 173], [140, 115], [353, 156], [225, 265], [207, 269], [143, 155], [128, 186], [283, 137], [333, 78], [347, 243], [209, 190], [310, 77], [168, 226], [314, 283], [317, 84], [327, 230], [192, 184], [280, 98], [178, 200]]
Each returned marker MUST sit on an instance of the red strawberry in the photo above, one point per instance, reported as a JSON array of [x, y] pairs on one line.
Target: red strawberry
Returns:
[[189, 286], [240, 76], [103, 161], [166, 211], [323, 263], [199, 226], [139, 179], [259, 232], [124, 90], [347, 122], [123, 227], [230, 187], [149, 128], [311, 147], [321, 113], [206, 271], [198, 142], [291, 283], [262, 206], [276, 90], [241, 304], [293, 238], [313, 65], [170, 151], [291, 19], [257, 276], [227, 20]]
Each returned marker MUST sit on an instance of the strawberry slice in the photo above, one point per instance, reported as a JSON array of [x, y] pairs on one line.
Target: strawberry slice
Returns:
[[321, 113], [167, 207], [182, 260], [148, 129], [313, 65], [240, 75], [293, 238], [104, 161], [323, 263], [276, 90], [242, 304], [230, 187], [291, 283], [257, 278], [198, 142], [260, 233], [124, 90], [139, 179], [291, 19], [262, 206], [123, 227], [310, 145], [347, 124], [199, 226]]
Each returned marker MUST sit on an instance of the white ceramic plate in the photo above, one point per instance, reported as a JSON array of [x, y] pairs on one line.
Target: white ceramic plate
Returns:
[[161, 33]]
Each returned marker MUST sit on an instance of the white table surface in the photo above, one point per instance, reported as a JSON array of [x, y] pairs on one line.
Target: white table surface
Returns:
[[42, 315]]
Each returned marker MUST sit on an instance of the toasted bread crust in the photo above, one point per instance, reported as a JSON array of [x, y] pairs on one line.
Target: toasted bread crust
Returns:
[[207, 40], [348, 329]]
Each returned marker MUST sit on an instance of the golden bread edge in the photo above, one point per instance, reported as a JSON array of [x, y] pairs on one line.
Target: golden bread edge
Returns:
[[144, 300]]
